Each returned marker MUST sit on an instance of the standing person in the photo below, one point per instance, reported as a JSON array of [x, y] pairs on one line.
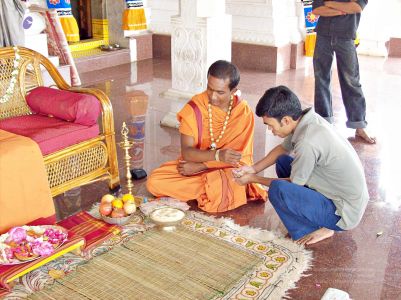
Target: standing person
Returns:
[[216, 130], [321, 188], [336, 33]]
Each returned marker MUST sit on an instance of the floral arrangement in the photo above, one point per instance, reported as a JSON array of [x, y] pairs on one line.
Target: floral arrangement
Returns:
[[14, 74], [29, 242]]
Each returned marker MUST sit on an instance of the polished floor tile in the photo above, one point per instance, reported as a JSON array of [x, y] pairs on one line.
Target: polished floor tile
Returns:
[[359, 261]]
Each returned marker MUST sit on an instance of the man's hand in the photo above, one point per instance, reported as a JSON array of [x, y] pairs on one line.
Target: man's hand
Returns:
[[229, 156], [237, 173], [326, 11], [190, 168], [247, 178]]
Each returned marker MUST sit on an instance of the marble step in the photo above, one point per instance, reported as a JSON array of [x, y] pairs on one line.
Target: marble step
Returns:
[[97, 59]]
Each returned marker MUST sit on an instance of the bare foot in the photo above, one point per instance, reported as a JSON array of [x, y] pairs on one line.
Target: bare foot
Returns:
[[362, 133], [316, 236]]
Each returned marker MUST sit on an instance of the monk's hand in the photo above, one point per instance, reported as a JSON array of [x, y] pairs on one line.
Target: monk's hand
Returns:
[[243, 180], [230, 156], [237, 173], [187, 168]]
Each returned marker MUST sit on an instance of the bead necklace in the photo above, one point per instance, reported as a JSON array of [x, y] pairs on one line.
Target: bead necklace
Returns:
[[213, 144]]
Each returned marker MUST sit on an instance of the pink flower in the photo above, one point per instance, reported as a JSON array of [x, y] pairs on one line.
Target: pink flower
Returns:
[[9, 253], [54, 236], [16, 234], [42, 249]]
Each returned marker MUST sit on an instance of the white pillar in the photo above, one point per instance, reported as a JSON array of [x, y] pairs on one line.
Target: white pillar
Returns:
[[201, 34]]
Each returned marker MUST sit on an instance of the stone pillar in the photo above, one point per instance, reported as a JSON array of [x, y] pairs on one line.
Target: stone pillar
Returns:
[[201, 34], [100, 23]]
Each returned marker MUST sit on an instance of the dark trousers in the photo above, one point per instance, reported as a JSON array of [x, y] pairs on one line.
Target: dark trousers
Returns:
[[301, 209], [348, 74]]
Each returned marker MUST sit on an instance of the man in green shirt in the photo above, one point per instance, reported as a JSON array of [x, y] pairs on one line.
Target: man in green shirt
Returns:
[[321, 187]]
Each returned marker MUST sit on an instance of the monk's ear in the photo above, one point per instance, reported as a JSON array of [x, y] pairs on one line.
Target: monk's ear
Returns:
[[285, 121], [233, 91]]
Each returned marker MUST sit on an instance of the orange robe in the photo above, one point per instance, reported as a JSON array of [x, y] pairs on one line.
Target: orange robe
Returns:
[[24, 190], [214, 189]]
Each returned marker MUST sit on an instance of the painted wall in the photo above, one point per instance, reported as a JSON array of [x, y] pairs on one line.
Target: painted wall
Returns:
[[262, 22], [279, 22], [380, 21], [393, 13]]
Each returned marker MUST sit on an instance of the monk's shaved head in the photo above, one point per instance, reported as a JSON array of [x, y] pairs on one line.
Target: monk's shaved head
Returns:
[[223, 69]]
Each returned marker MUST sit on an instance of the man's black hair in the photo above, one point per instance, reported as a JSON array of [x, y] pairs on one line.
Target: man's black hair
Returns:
[[278, 102], [223, 69]]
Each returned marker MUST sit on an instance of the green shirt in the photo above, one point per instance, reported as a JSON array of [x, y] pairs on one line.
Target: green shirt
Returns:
[[326, 162]]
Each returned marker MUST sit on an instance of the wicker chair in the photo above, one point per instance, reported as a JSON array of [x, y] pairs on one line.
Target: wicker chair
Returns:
[[78, 164]]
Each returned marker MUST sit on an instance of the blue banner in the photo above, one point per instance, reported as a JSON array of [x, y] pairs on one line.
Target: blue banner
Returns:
[[59, 4]]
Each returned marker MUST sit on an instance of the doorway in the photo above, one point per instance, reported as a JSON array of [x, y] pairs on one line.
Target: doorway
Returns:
[[82, 11]]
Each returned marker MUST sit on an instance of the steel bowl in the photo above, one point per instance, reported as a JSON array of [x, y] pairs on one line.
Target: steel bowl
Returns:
[[167, 218]]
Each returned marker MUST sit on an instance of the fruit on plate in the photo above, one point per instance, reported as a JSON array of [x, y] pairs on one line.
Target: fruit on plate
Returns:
[[117, 203], [118, 213], [118, 207], [105, 209], [128, 198], [129, 207], [107, 198]]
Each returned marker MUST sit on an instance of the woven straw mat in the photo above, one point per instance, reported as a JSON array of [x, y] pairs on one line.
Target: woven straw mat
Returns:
[[157, 265]]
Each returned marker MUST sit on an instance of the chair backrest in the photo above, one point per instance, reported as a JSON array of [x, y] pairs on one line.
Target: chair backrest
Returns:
[[20, 72]]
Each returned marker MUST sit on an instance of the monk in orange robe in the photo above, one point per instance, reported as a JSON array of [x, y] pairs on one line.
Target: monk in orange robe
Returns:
[[216, 130]]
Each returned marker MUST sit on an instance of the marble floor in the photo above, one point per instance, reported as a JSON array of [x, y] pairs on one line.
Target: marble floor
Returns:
[[361, 262]]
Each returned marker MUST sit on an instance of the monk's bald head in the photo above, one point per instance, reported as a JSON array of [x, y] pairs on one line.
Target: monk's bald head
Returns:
[[223, 69]]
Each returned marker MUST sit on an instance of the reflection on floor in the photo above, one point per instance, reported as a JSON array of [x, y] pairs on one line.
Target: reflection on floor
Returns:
[[365, 265]]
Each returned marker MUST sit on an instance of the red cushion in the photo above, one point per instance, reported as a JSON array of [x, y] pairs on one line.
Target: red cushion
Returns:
[[79, 108], [51, 134]]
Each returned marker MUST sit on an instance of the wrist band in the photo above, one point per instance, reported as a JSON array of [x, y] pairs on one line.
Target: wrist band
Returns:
[[216, 155]]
